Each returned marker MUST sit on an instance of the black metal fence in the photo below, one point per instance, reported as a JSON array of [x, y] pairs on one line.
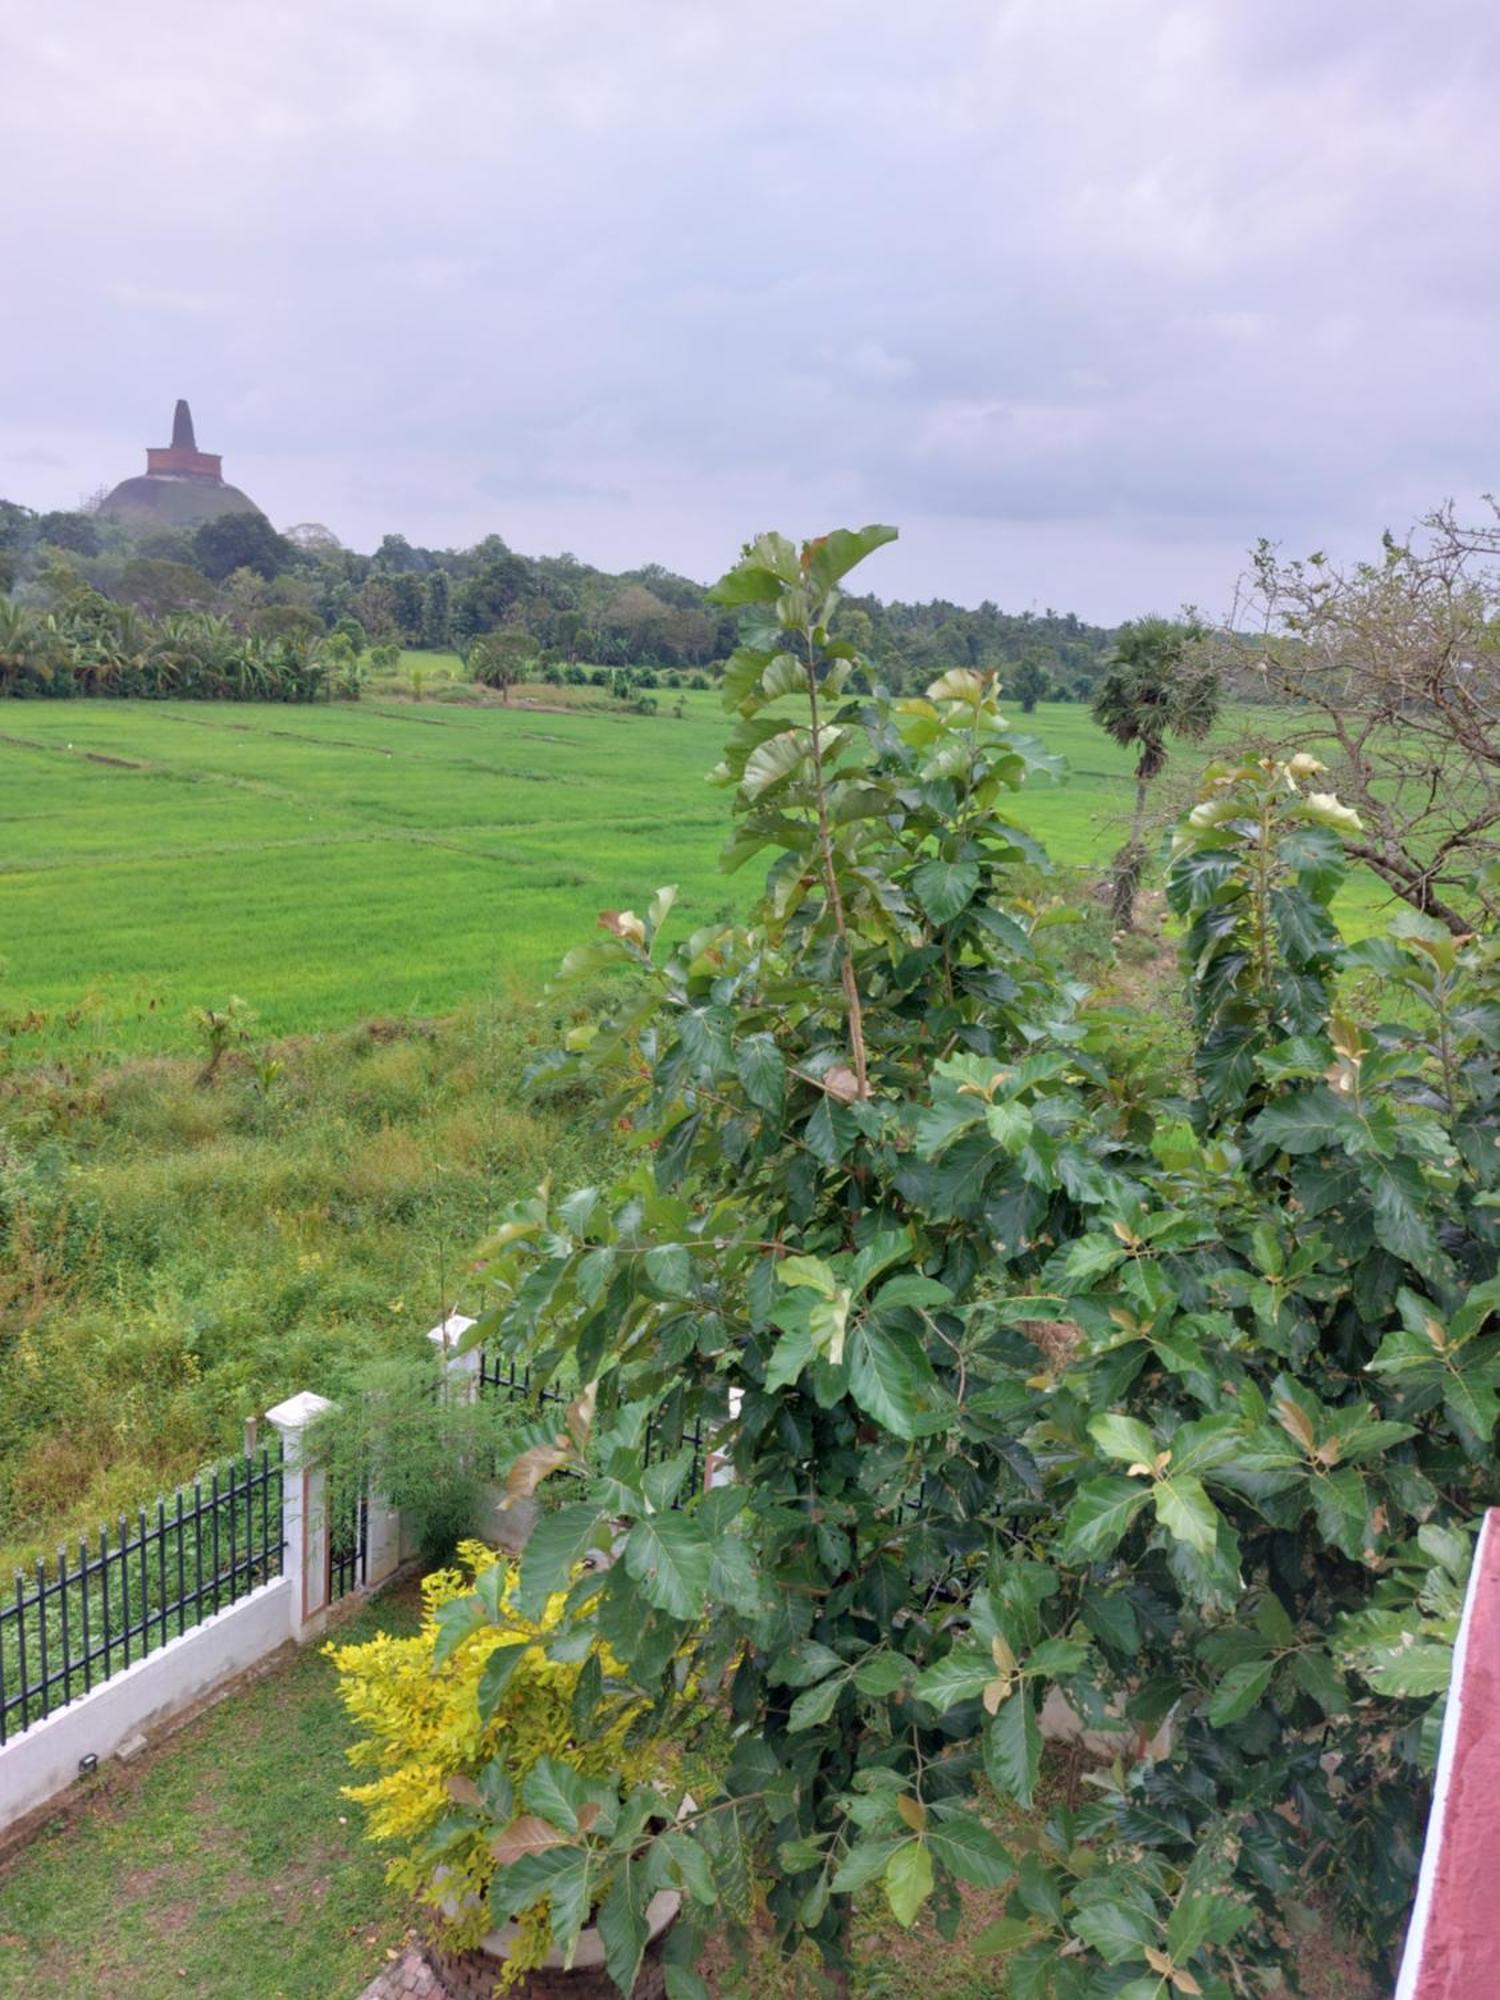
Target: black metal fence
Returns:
[[509, 1381], [72, 1624], [349, 1548], [666, 1433]]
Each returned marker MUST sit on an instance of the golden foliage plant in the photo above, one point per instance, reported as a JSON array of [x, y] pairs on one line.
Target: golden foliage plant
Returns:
[[445, 1770]]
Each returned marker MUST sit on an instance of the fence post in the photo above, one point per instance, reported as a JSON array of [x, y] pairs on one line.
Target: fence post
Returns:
[[460, 1371], [304, 1514], [383, 1547]]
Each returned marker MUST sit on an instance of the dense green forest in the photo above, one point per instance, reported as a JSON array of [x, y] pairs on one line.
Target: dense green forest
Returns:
[[111, 587]]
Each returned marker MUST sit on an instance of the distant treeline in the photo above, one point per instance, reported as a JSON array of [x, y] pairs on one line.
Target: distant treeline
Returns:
[[295, 589]]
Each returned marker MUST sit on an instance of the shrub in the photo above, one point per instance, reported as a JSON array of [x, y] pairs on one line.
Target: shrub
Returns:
[[471, 1722], [348, 627], [220, 1030], [1177, 1403], [428, 1453]]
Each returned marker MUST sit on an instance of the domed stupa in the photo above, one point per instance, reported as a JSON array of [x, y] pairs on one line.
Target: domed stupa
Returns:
[[181, 487]]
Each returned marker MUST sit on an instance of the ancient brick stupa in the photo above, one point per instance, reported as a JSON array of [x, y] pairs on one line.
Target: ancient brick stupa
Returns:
[[181, 486]]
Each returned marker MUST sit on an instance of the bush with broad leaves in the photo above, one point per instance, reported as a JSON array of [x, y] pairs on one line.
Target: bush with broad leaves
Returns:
[[1034, 1372]]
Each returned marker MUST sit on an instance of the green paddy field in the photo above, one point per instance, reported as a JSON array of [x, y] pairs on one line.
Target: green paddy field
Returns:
[[385, 858]]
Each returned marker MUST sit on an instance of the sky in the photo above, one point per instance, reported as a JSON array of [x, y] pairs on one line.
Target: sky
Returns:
[[1085, 296]]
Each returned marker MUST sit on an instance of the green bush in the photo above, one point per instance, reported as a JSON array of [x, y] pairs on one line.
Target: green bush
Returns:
[[1176, 1399], [465, 1723], [401, 1432]]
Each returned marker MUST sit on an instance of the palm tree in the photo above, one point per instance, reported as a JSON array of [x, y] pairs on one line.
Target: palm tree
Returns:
[[1156, 686], [220, 651], [26, 647], [115, 646]]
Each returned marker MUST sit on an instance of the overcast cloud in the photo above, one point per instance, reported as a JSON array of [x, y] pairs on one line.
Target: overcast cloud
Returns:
[[1085, 295]]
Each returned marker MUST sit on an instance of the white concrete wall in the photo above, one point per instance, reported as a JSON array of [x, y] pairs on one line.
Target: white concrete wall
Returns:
[[43, 1761]]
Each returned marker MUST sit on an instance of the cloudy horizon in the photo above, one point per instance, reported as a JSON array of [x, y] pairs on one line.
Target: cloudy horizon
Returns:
[[1084, 296]]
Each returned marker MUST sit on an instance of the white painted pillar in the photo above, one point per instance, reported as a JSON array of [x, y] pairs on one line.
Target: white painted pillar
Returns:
[[383, 1543], [304, 1515], [461, 1371]]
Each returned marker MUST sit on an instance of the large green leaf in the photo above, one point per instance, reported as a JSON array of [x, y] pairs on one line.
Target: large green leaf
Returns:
[[556, 1543], [789, 1357], [881, 1674], [1013, 1747], [804, 1663], [669, 1270], [774, 760], [1398, 1197], [892, 1379], [1239, 1691], [622, 1925], [958, 1676], [571, 1893], [1118, 1929], [1408, 1670], [891, 1246], [495, 1678], [683, 1984], [942, 888], [864, 1863], [1303, 1122], [668, 1556], [1122, 1437], [1111, 1617], [516, 1885], [742, 672], [762, 1073], [747, 583], [1471, 1402], [1101, 1512], [1341, 1503], [816, 1704], [831, 557], [966, 1847], [555, 1793], [456, 1621], [1185, 1510], [908, 1880], [691, 1865]]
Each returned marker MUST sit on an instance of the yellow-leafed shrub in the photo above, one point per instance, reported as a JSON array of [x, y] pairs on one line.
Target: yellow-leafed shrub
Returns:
[[426, 1741]]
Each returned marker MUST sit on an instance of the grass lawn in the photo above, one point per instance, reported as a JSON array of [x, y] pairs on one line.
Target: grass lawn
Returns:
[[224, 1864], [384, 857]]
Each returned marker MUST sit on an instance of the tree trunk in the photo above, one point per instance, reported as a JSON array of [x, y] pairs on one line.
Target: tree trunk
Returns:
[[1138, 824], [1130, 862]]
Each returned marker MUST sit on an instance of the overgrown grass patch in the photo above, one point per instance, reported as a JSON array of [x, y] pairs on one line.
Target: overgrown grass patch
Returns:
[[177, 1258]]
